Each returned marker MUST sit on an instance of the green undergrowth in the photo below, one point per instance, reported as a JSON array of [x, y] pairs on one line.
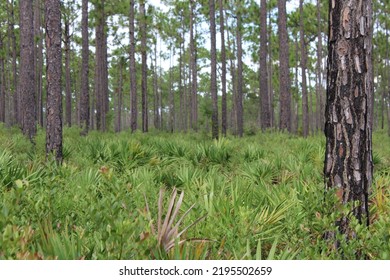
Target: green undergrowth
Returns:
[[259, 197]]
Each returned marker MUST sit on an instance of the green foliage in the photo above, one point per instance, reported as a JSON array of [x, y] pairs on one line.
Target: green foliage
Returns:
[[259, 197]]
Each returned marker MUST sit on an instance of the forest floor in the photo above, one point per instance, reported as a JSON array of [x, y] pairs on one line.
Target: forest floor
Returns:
[[259, 197]]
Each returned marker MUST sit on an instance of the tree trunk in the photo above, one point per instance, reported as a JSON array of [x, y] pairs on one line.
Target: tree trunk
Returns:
[[194, 80], [27, 73], [305, 103], [145, 126], [2, 82], [54, 95], [155, 89], [68, 94], [213, 85], [133, 79], [17, 99], [348, 129], [239, 97], [223, 61], [118, 123], [264, 98], [319, 91], [84, 97], [284, 72], [270, 74]]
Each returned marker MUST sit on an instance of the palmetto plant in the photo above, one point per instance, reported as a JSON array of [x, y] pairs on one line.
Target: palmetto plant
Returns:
[[168, 227]]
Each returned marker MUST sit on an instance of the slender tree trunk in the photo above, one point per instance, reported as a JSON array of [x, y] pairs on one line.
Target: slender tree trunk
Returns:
[[270, 75], [171, 95], [194, 72], [2, 82], [145, 126], [16, 94], [27, 73], [84, 96], [264, 98], [118, 126], [223, 62], [233, 74], [68, 93], [348, 129], [284, 72], [213, 86], [155, 90], [239, 97], [319, 88], [160, 104], [54, 96], [133, 79], [305, 103]]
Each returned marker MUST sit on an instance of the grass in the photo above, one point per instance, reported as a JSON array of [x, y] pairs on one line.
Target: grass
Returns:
[[260, 197]]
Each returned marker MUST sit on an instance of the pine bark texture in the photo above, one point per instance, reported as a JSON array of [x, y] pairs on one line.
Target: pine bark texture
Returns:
[[284, 72], [53, 70], [133, 80], [348, 129], [213, 86], [84, 98], [264, 98], [27, 71]]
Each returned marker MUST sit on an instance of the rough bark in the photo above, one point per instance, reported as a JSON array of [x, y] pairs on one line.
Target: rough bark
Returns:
[[27, 73], [239, 96], [348, 129], [53, 69], [264, 98], [144, 84], [270, 69], [213, 85], [305, 103], [84, 97], [133, 80], [284, 72]]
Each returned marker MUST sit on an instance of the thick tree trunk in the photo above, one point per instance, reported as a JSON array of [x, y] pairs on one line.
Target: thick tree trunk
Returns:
[[284, 72], [27, 73], [144, 82], [133, 79], [270, 74], [54, 95], [84, 97], [223, 62], [264, 98], [239, 97], [348, 129], [213, 85], [305, 103]]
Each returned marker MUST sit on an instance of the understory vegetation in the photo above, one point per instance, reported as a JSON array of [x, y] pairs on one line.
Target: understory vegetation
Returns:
[[179, 196]]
